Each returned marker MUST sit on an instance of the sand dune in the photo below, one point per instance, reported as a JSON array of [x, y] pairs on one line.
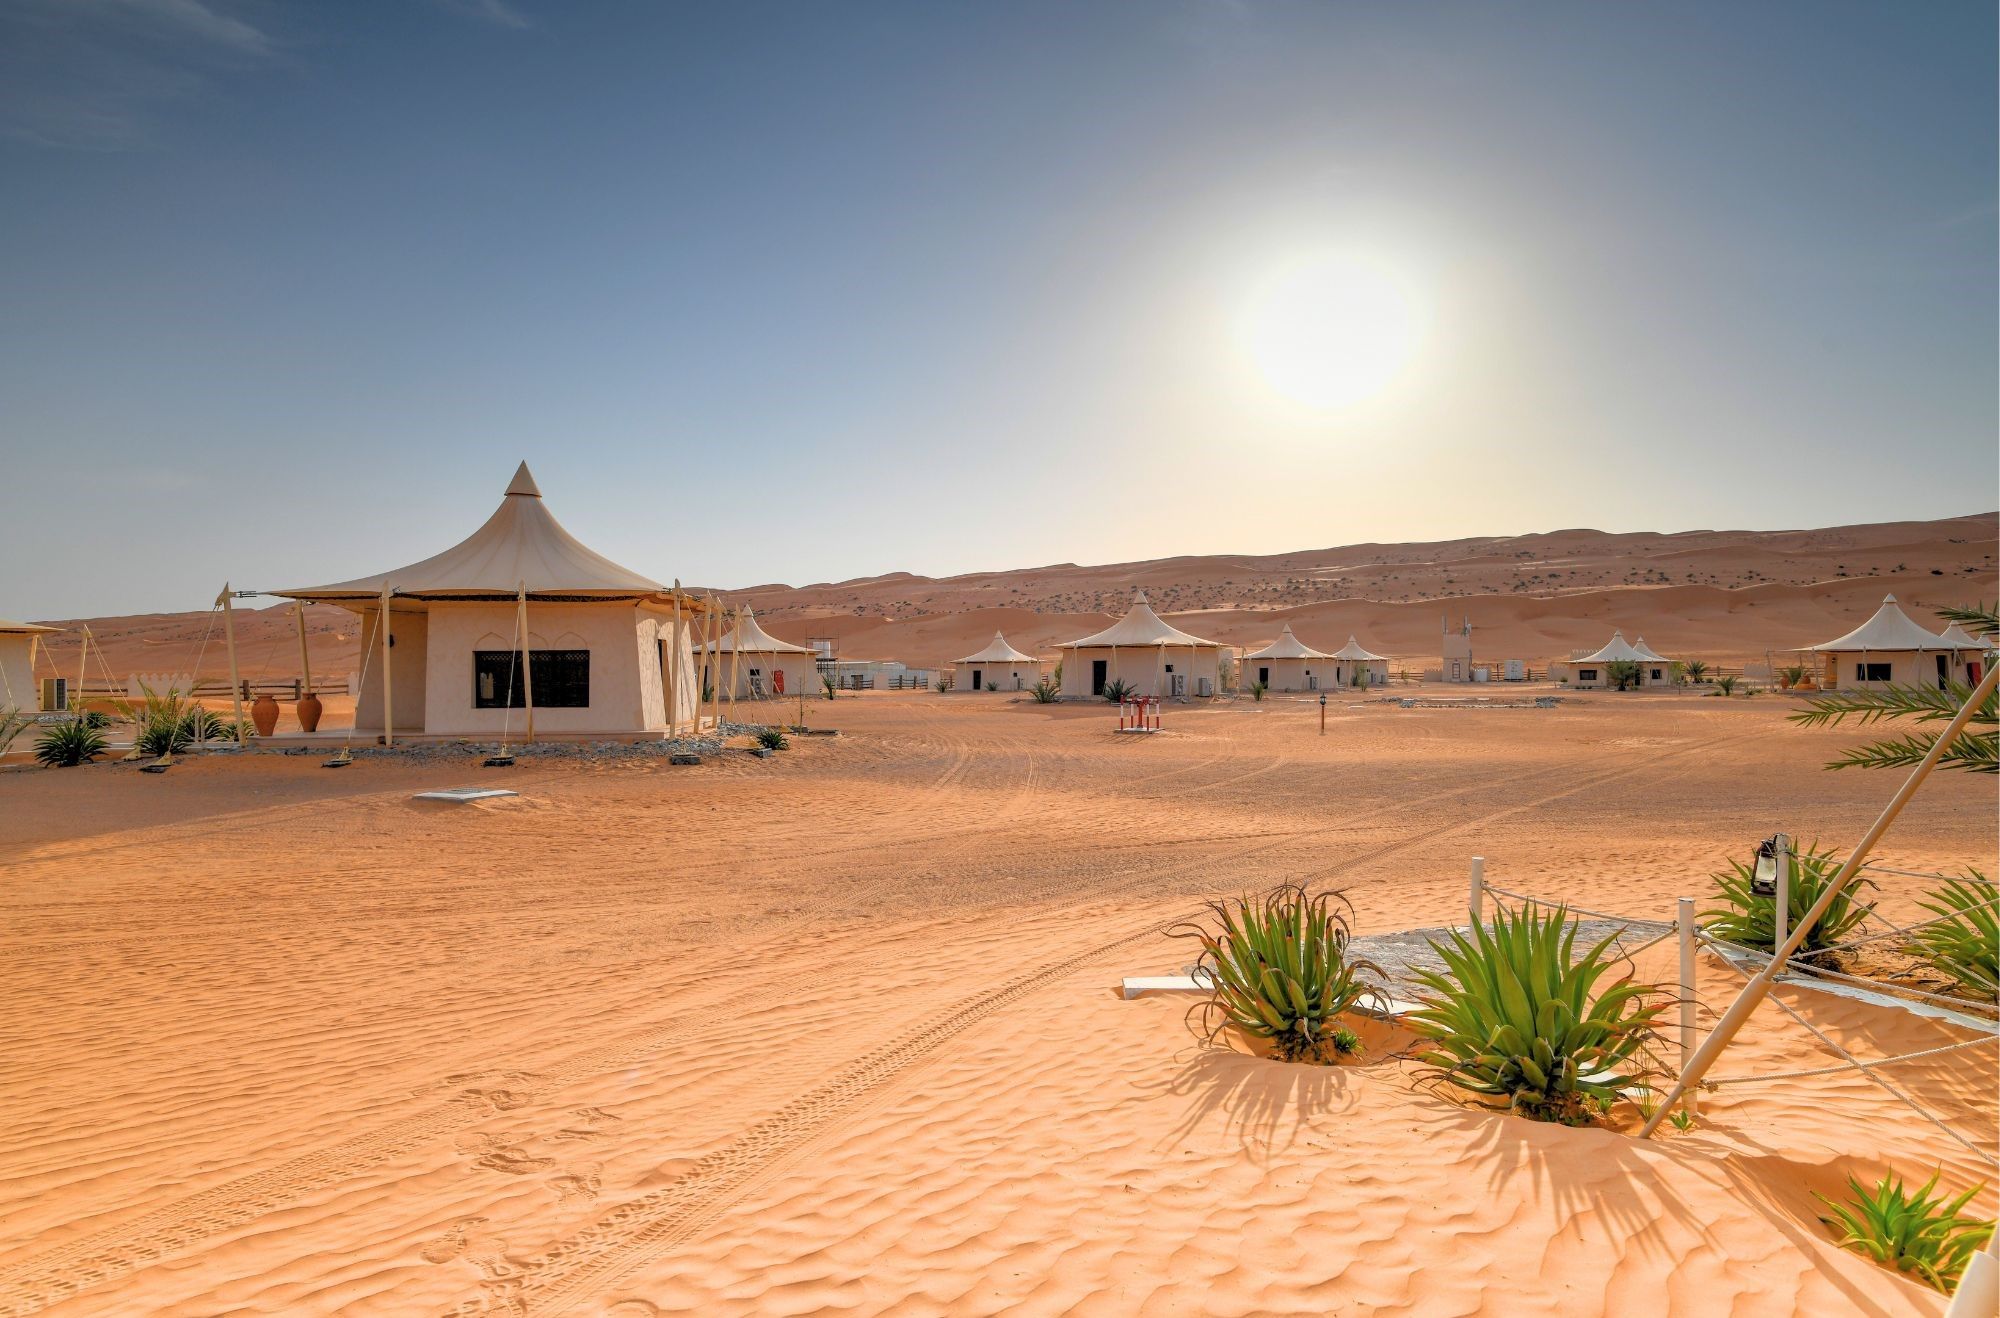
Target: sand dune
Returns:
[[839, 1030]]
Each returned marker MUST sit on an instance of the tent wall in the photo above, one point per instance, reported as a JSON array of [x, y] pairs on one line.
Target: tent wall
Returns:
[[408, 658], [1290, 674], [801, 671], [1012, 676], [1141, 668], [18, 687], [1377, 670], [1838, 668]]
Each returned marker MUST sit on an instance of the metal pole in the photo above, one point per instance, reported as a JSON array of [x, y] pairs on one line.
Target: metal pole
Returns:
[[1322, 716], [305, 661], [1475, 901], [527, 662], [667, 675], [1759, 986], [82, 658], [1684, 925], [388, 675], [235, 682], [1781, 910]]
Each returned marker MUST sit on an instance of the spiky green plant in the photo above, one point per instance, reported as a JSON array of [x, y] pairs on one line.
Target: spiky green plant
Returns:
[[1282, 972], [1750, 918], [1725, 684], [1045, 692], [69, 743], [1517, 1014], [1117, 690], [1682, 1119], [1924, 1234], [1791, 675], [1257, 690], [1624, 673], [1965, 944], [829, 685], [772, 739], [1696, 670], [13, 722], [1976, 749]]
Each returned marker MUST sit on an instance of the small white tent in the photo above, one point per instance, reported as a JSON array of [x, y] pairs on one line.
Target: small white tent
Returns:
[[1353, 660], [758, 663], [998, 667], [1892, 649], [1145, 652], [18, 644], [1592, 671], [604, 644], [1289, 664]]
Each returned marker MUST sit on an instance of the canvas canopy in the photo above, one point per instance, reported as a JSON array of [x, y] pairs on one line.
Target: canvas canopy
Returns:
[[521, 543], [1354, 653], [751, 638], [1961, 639], [1618, 650], [1649, 654], [1140, 627], [25, 628], [1890, 630], [997, 651], [1288, 646]]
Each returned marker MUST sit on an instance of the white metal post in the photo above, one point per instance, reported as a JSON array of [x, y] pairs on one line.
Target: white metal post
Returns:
[[1684, 924], [1781, 911], [1475, 901]]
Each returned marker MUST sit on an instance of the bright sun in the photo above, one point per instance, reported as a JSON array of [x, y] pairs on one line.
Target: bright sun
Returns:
[[1331, 331]]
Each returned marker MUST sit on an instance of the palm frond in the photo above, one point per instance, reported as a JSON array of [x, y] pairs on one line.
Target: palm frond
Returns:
[[1979, 619], [1975, 752]]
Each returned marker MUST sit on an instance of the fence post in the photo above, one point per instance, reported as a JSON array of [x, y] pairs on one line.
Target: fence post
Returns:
[[1684, 924], [1475, 899]]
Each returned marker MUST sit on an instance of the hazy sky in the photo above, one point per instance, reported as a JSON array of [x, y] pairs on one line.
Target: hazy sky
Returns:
[[806, 291]]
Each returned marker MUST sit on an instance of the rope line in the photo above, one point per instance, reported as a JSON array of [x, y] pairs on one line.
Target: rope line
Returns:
[[1857, 1062], [1703, 936], [1988, 904], [1921, 874], [1576, 910]]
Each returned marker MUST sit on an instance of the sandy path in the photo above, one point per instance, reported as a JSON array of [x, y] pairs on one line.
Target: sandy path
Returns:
[[838, 1029]]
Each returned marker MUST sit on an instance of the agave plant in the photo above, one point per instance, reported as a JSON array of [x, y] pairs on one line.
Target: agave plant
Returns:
[[12, 724], [1922, 1233], [1696, 670], [1516, 1015], [1045, 692], [1725, 685], [68, 744], [1257, 690], [772, 739], [1117, 690], [1282, 971], [1965, 943], [1750, 918], [1624, 673]]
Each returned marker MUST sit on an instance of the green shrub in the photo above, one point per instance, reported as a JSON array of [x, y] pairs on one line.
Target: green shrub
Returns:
[[1045, 692], [169, 724], [1281, 971], [1750, 918], [829, 685], [1696, 670], [1725, 685], [1257, 690], [1965, 944], [1920, 1233], [772, 739], [1516, 1015], [12, 724], [1117, 690], [69, 743], [1624, 673]]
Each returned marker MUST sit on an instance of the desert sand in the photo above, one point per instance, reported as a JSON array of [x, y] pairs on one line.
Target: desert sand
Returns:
[[1721, 596], [840, 1030]]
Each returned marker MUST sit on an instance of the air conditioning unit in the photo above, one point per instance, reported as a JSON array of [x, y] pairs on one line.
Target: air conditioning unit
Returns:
[[1204, 687], [55, 694]]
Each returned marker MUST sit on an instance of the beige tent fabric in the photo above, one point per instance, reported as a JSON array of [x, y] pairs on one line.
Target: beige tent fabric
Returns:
[[1647, 652], [1288, 646], [1354, 652], [997, 651], [748, 636], [1617, 650], [1140, 627], [25, 628], [1960, 639], [1890, 629], [520, 542]]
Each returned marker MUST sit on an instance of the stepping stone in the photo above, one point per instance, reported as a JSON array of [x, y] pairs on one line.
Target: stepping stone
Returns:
[[463, 795], [683, 757]]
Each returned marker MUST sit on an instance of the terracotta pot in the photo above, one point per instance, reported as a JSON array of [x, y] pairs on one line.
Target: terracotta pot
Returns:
[[309, 712], [264, 713]]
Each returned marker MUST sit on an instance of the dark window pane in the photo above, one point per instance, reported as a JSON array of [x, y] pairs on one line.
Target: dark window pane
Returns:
[[562, 679]]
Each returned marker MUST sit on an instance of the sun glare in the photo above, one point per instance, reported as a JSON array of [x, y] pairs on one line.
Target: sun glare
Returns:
[[1332, 331]]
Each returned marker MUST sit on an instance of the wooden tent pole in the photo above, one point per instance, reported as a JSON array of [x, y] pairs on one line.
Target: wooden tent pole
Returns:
[[1759, 986], [305, 660], [527, 664], [673, 660], [735, 662], [388, 676], [711, 674], [82, 657], [229, 639]]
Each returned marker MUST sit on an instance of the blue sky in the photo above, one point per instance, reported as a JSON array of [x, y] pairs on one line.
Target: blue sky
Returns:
[[799, 292]]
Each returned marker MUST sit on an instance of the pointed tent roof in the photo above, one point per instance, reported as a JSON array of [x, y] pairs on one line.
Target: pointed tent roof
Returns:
[[1961, 639], [521, 543], [1138, 628], [25, 628], [1890, 629], [1616, 650], [1648, 653], [751, 638], [1288, 646], [997, 651], [1353, 652]]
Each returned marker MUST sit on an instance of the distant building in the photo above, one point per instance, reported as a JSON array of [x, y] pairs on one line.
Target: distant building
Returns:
[[1354, 665], [998, 667], [1457, 652], [759, 663], [18, 688], [1289, 664], [1149, 655], [1592, 671], [1892, 650]]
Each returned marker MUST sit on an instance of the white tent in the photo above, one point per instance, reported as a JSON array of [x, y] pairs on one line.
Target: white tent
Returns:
[[605, 643], [1289, 664], [1890, 648], [1149, 655], [18, 687], [757, 663], [998, 667], [1353, 659], [1592, 671]]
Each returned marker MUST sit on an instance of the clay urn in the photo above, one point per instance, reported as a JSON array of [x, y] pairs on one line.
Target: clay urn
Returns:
[[309, 711], [264, 713]]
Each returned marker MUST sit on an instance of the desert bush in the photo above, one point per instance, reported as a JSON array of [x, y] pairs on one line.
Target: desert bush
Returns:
[[1257, 690], [68, 744], [1515, 1015], [1965, 944], [772, 739], [829, 685], [1923, 1234], [1045, 692], [1791, 675], [168, 724], [1725, 685], [12, 724], [1748, 917], [1117, 690], [1282, 971], [1624, 673], [1696, 670], [944, 682]]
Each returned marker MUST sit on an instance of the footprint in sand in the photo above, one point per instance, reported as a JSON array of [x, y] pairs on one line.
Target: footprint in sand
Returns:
[[452, 1243], [502, 1152], [579, 1185]]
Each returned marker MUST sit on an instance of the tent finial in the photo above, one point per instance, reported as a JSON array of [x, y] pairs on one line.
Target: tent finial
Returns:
[[524, 483]]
